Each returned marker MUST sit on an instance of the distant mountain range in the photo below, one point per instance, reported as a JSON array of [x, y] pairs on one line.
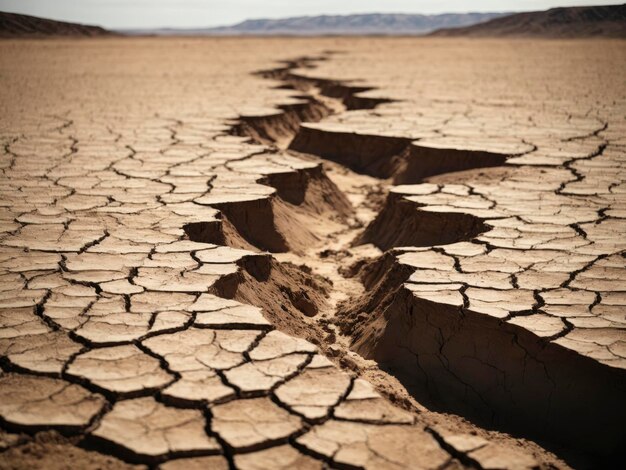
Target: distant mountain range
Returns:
[[14, 25], [595, 21], [375, 23], [574, 22]]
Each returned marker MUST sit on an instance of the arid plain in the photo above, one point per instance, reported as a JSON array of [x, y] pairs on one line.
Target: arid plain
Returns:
[[312, 253]]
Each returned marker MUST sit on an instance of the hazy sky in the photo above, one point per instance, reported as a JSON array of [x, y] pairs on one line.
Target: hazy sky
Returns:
[[199, 13]]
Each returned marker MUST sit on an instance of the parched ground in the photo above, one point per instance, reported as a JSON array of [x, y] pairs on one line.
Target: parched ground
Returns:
[[312, 253]]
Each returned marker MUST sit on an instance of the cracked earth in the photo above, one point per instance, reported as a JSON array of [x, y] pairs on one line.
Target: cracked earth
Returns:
[[312, 253]]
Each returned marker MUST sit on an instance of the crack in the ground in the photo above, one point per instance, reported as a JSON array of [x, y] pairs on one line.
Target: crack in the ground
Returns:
[[314, 293]]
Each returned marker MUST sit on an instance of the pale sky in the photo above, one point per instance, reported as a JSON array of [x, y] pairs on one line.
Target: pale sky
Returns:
[[204, 13]]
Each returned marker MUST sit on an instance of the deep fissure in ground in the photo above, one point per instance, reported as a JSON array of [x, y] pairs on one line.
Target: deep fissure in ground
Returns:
[[328, 279]]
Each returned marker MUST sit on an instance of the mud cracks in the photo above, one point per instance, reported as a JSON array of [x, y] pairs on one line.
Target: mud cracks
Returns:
[[169, 347]]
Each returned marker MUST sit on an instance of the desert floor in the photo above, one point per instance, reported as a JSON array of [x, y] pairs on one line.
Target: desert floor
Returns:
[[312, 253]]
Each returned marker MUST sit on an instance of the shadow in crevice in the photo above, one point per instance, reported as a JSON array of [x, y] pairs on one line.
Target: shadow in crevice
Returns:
[[401, 222], [497, 374], [399, 159]]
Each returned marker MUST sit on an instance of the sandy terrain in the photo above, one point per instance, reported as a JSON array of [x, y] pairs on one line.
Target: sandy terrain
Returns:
[[312, 253]]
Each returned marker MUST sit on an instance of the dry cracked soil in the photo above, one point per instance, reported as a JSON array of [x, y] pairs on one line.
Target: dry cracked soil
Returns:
[[312, 253]]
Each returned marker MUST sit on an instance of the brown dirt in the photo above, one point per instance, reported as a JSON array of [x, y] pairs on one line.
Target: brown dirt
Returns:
[[49, 450], [203, 170]]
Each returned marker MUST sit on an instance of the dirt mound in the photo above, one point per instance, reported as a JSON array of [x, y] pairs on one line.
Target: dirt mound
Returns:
[[288, 293]]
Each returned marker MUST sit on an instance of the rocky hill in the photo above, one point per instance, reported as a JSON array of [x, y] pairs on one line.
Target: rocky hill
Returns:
[[14, 25], [594, 21]]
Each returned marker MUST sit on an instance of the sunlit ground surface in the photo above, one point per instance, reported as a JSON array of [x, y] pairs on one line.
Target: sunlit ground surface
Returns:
[[447, 246]]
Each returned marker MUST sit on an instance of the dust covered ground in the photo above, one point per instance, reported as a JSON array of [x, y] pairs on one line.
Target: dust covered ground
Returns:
[[313, 253]]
